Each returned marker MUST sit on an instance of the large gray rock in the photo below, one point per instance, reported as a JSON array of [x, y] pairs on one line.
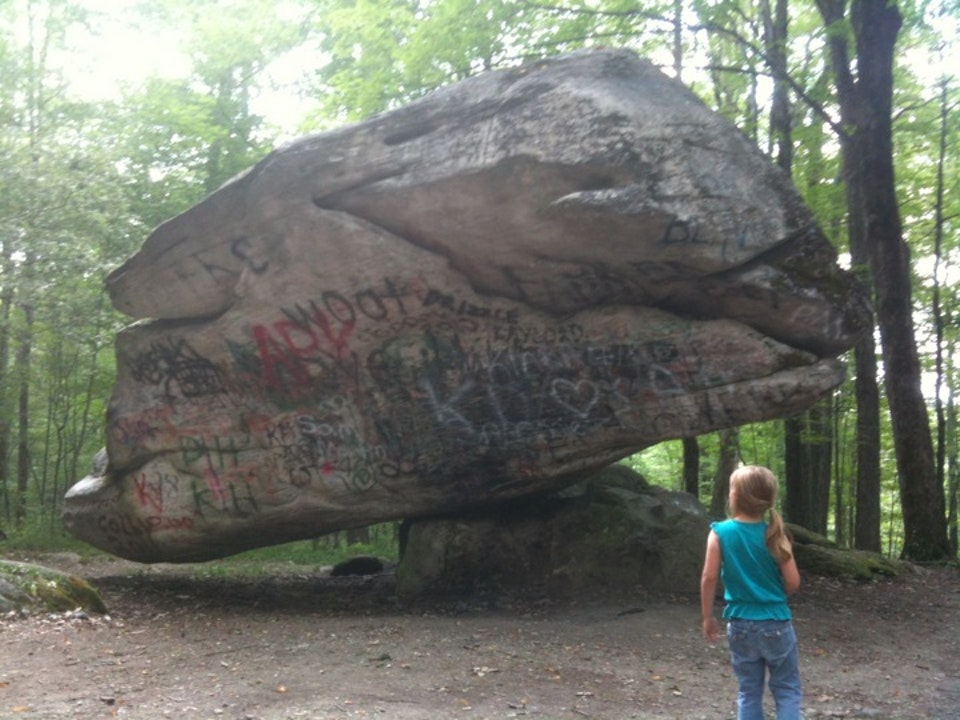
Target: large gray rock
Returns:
[[488, 293], [612, 535]]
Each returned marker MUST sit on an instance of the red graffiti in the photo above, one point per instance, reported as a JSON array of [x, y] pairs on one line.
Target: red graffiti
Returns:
[[287, 345], [156, 522]]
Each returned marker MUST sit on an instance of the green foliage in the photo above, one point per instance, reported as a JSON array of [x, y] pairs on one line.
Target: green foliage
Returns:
[[37, 537], [329, 549], [384, 53], [182, 138], [63, 216]]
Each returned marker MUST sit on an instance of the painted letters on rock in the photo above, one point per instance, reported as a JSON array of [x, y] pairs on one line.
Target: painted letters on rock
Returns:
[[488, 293]]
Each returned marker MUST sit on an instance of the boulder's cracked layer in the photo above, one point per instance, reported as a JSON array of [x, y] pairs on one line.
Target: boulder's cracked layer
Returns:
[[490, 292]]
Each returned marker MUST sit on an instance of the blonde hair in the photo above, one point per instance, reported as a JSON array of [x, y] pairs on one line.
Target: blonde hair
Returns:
[[756, 493]]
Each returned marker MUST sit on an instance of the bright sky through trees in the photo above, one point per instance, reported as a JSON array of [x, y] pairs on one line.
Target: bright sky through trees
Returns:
[[118, 50]]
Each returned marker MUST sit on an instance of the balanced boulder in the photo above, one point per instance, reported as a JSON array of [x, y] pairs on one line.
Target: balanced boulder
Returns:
[[491, 292]]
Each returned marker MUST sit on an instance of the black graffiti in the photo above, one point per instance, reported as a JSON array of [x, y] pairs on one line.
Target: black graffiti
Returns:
[[464, 307], [175, 365]]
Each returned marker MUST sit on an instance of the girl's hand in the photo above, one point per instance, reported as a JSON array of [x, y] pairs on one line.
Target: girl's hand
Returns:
[[711, 629]]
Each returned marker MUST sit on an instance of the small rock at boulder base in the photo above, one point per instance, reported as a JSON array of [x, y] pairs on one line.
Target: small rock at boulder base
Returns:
[[488, 293], [358, 565]]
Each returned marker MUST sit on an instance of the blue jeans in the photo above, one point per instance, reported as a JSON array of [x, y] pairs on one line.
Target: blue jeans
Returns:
[[759, 646]]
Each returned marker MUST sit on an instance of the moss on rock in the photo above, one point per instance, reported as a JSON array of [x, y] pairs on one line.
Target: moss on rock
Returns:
[[821, 556], [24, 585], [852, 564]]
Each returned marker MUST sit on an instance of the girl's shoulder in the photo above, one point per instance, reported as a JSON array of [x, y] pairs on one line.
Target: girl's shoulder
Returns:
[[719, 526], [732, 525]]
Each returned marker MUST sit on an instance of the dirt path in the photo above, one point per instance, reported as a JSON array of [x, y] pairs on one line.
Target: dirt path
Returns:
[[306, 646]]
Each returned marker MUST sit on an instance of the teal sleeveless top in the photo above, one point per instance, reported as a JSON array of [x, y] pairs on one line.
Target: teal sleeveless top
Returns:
[[752, 583]]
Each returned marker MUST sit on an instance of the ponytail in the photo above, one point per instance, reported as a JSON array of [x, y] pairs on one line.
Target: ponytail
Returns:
[[754, 493], [778, 539]]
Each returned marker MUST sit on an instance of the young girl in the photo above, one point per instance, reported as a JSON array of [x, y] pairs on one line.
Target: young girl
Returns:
[[755, 561]]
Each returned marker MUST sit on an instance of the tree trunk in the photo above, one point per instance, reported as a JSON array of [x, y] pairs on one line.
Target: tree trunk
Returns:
[[866, 385], [841, 511], [691, 466], [808, 454], [867, 147], [23, 415], [953, 475], [867, 391], [678, 27], [867, 519], [775, 27], [726, 464], [358, 536], [6, 302]]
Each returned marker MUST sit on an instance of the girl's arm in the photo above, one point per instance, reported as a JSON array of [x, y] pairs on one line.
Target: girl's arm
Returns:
[[708, 587], [791, 576]]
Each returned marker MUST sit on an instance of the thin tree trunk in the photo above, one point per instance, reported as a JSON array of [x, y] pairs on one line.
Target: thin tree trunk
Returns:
[[84, 424], [6, 302], [866, 534], [793, 470], [678, 39], [775, 29], [953, 475], [726, 464], [24, 352], [840, 512], [845, 482], [867, 391], [358, 536], [808, 455], [691, 466]]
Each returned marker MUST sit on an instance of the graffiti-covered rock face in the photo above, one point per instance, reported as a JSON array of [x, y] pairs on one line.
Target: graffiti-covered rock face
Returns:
[[490, 292]]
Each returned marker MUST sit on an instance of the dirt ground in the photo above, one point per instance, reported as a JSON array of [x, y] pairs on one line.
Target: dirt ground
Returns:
[[181, 644]]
